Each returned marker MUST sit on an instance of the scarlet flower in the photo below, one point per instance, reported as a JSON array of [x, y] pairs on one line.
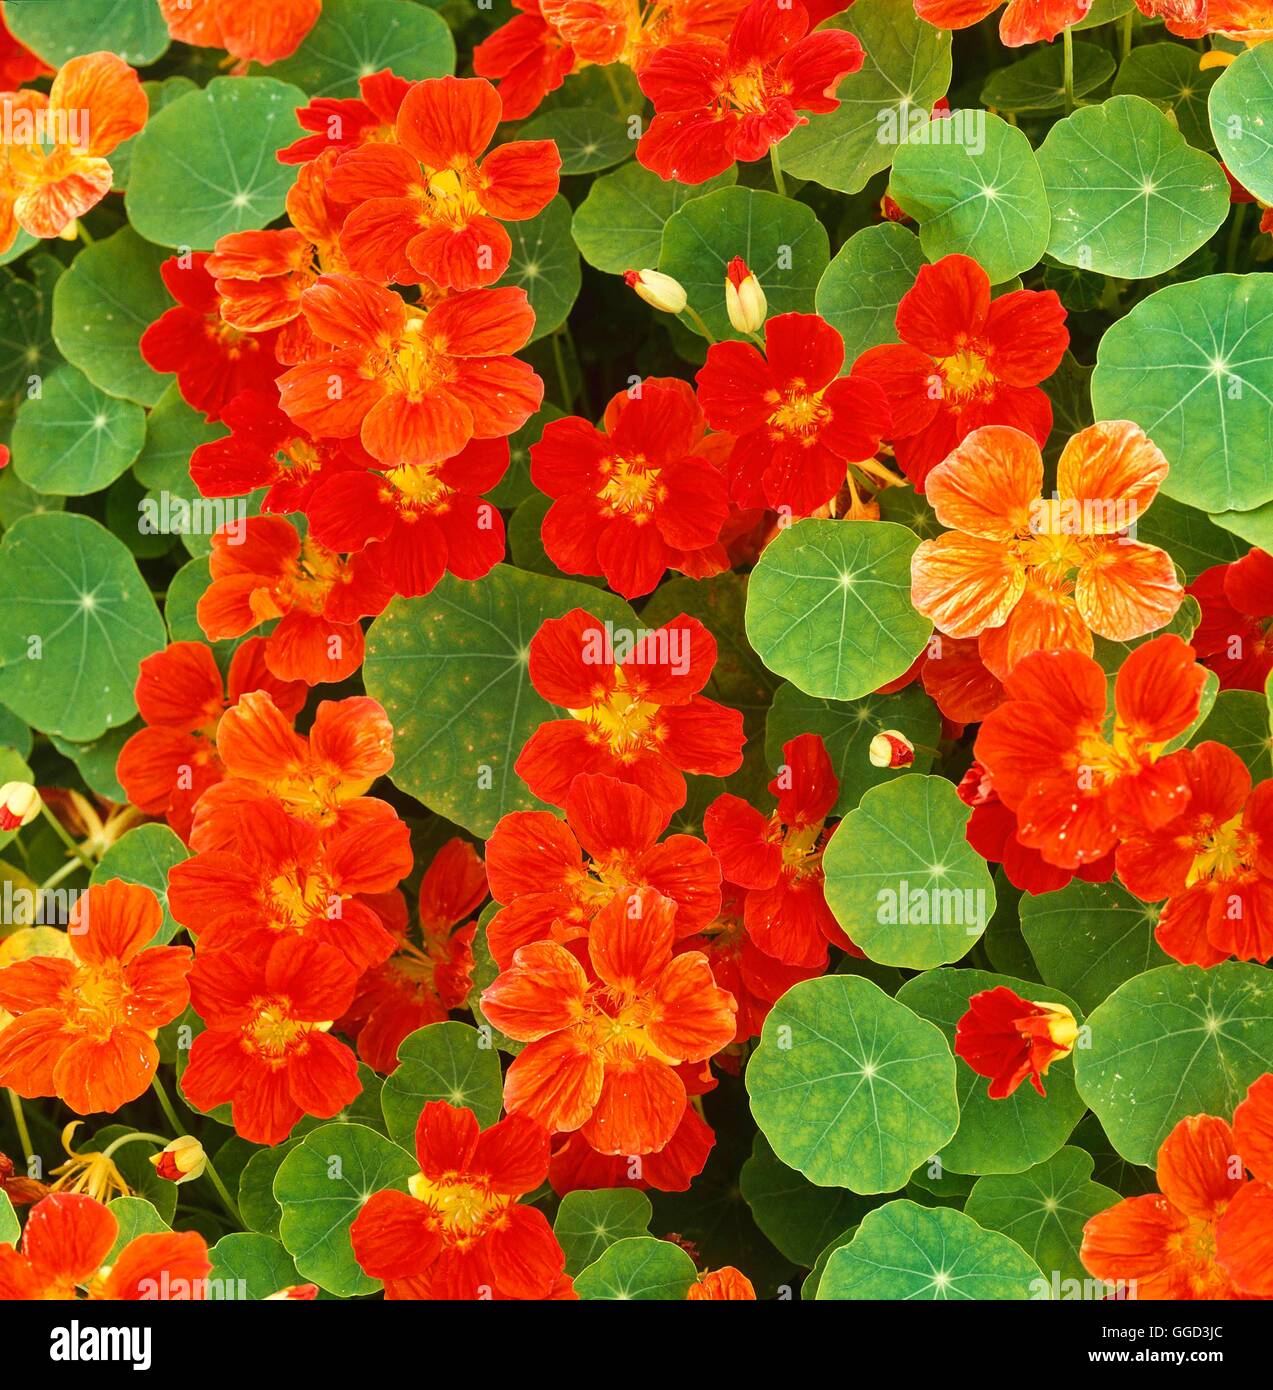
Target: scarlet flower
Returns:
[[413, 524], [253, 31], [1248, 20], [1213, 863], [288, 877], [270, 572], [431, 204], [603, 1044], [17, 63], [66, 1245], [798, 422], [344, 123], [577, 1167], [83, 1027], [460, 1232], [265, 449], [213, 361], [268, 1004], [1210, 1232], [553, 877], [1237, 612], [640, 720], [1008, 1038], [716, 102], [415, 385], [528, 56], [953, 674], [167, 766], [1076, 790], [1024, 21], [321, 778], [639, 498], [421, 984], [96, 102], [1024, 573], [965, 362], [717, 1285], [778, 857]]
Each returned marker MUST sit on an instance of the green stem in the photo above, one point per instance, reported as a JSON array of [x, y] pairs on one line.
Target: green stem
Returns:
[[620, 105], [1235, 238], [62, 835], [84, 234], [779, 185], [129, 1138], [166, 1106], [226, 1200], [1128, 25], [20, 1120], [697, 320], [1068, 48], [71, 866]]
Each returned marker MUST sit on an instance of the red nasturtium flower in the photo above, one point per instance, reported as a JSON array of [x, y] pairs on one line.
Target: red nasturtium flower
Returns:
[[797, 422], [65, 1254], [603, 1043], [636, 714], [554, 876], [421, 983], [253, 31], [321, 777], [577, 1167], [267, 571], [1233, 638], [344, 123], [1076, 790], [167, 766], [716, 102], [413, 524], [1248, 20], [213, 361], [528, 58], [1025, 573], [636, 498], [268, 1004], [415, 384], [1008, 1038], [17, 63], [965, 361], [1024, 21], [54, 166], [431, 204], [460, 1231], [778, 857], [1208, 1232], [83, 1027], [1213, 863]]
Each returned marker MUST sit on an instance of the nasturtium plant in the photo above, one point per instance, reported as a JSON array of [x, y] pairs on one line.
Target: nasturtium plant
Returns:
[[635, 656]]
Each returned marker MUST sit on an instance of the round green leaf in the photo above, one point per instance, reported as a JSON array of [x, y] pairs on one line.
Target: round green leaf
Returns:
[[77, 622], [1129, 196], [136, 1217], [1088, 938], [796, 1216], [1191, 365], [587, 139], [145, 855], [354, 38], [546, 265], [246, 1265], [445, 1061], [321, 1187], [103, 304], [619, 225], [905, 1251], [14, 734], [860, 290], [1173, 1042], [134, 29], [204, 166], [1168, 75], [158, 95], [850, 1087], [257, 1204], [639, 1267], [997, 1136], [972, 184], [1044, 1210], [587, 1224], [451, 671], [902, 879], [1255, 527], [1037, 82], [829, 606], [906, 69], [781, 240], [1241, 106], [73, 438]]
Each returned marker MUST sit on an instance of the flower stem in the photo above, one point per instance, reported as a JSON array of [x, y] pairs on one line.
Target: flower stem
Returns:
[[166, 1106], [620, 105], [1128, 24], [697, 320], [76, 850], [20, 1120], [779, 184], [1068, 52], [1235, 238], [209, 1170]]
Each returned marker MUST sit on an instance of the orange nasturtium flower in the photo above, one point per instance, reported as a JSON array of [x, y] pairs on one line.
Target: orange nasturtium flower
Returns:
[[1025, 573], [1024, 21], [1248, 20], [258, 31], [604, 1043], [53, 167], [84, 1028], [726, 1284]]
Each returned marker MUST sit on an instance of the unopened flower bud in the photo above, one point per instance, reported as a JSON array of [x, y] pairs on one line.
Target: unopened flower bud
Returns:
[[891, 749], [302, 1293], [183, 1160], [744, 299], [19, 805], [660, 291]]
